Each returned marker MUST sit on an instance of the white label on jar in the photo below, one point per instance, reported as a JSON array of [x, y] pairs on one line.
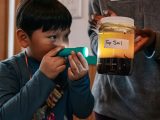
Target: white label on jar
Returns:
[[116, 43]]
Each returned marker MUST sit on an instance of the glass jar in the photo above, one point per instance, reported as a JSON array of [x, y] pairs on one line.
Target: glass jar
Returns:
[[115, 46]]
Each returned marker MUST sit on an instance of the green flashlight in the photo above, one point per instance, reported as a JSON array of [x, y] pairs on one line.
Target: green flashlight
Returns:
[[67, 51]]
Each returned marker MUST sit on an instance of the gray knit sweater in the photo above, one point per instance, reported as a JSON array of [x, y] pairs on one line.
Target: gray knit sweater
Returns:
[[135, 97]]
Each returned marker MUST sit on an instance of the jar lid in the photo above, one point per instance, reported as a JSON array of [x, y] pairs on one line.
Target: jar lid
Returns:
[[118, 20]]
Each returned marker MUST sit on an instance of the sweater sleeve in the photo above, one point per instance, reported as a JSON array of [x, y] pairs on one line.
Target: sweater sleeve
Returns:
[[21, 103], [82, 100]]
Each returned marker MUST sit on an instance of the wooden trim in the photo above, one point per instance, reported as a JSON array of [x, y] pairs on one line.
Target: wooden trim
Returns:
[[3, 28], [92, 73], [17, 47]]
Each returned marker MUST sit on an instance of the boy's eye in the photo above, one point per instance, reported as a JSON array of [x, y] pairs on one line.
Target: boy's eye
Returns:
[[53, 37]]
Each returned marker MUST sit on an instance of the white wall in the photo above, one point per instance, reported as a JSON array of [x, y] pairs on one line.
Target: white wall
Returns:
[[79, 36]]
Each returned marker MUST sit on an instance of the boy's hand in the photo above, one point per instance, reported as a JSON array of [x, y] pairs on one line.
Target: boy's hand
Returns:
[[144, 38], [51, 65], [78, 66]]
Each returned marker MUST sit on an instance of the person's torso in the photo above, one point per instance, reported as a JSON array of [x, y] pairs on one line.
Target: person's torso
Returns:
[[138, 94]]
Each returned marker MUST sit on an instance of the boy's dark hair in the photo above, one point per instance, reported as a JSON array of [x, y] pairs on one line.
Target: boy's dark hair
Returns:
[[45, 14]]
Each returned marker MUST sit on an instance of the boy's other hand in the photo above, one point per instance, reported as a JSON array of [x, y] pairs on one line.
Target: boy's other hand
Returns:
[[78, 66], [51, 65]]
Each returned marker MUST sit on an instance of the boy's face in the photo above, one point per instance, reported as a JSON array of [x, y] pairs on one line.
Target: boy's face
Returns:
[[42, 42]]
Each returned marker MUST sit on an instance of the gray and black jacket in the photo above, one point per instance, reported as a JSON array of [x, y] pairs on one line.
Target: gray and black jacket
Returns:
[[134, 97]]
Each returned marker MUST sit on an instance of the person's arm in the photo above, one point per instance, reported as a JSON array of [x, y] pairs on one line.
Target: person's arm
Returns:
[[80, 96], [82, 100], [21, 103], [97, 10], [93, 9]]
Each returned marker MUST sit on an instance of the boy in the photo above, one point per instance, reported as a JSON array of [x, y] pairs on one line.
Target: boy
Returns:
[[37, 83]]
